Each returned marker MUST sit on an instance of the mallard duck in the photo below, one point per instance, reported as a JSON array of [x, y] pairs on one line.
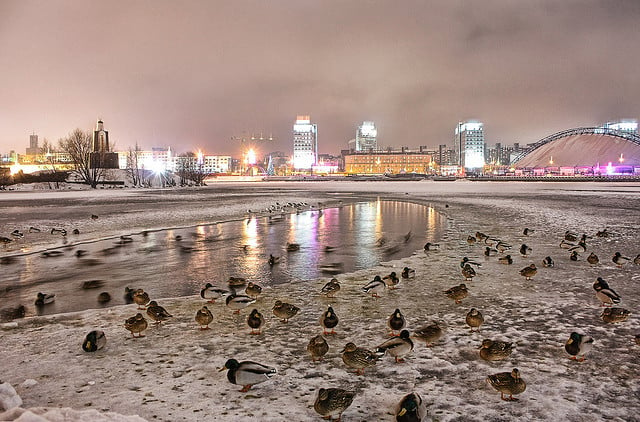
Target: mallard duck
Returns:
[[508, 383], [429, 334], [247, 373], [284, 310], [331, 288], [457, 293], [619, 260], [136, 324], [255, 320], [605, 294], [398, 347], [45, 299], [157, 312], [466, 261], [528, 272], [489, 251], [329, 320], [210, 293], [34, 230], [358, 358], [502, 247], [411, 409], [17, 233], [94, 341], [396, 322], [333, 401], [570, 236], [525, 250], [408, 272], [204, 317], [468, 272], [104, 297], [612, 315], [431, 246], [391, 280], [141, 298], [495, 350], [547, 262], [375, 287], [238, 302], [471, 240], [527, 231], [273, 260], [593, 259], [506, 260], [574, 256], [317, 348], [236, 282], [578, 345], [253, 290], [474, 319], [602, 233], [292, 247], [480, 237]]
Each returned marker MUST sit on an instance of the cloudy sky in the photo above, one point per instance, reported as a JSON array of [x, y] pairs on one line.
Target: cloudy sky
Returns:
[[195, 74]]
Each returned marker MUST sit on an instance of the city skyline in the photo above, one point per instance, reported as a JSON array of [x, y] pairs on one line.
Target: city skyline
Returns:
[[194, 75]]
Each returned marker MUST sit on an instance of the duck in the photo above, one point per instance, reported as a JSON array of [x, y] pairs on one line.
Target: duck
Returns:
[[236, 281], [574, 256], [317, 347], [284, 310], [547, 262], [468, 272], [602, 233], [329, 320], [396, 322], [5, 240], [492, 350], [141, 298], [398, 347], [506, 260], [528, 272], [580, 247], [204, 317], [489, 251], [431, 246], [51, 254], [45, 299], [238, 302], [34, 230], [331, 288], [253, 290], [17, 233], [527, 231], [613, 315], [570, 236], [104, 297], [480, 237], [332, 402], [255, 320], [273, 260], [128, 295], [391, 280], [566, 245], [94, 341], [508, 383], [136, 324], [502, 247], [292, 247], [636, 260], [210, 293], [457, 293], [375, 287], [474, 319], [157, 312], [605, 294], [93, 284], [411, 409], [247, 373], [525, 250], [358, 358], [593, 259], [619, 260], [471, 239], [429, 333], [408, 272], [466, 261], [578, 345]]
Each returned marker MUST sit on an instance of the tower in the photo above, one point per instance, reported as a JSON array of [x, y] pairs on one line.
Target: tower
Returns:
[[33, 145], [469, 145], [305, 143], [100, 138], [101, 157], [366, 137]]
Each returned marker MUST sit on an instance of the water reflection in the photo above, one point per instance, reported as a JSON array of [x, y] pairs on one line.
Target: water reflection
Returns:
[[177, 262]]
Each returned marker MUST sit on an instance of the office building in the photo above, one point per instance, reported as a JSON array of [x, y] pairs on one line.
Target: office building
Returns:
[[366, 137], [305, 143], [469, 145]]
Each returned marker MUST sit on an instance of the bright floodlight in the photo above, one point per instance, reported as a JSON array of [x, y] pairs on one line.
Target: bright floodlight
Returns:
[[251, 157]]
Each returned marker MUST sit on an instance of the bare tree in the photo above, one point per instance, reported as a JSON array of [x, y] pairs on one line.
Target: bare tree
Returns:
[[133, 165], [79, 147], [190, 169]]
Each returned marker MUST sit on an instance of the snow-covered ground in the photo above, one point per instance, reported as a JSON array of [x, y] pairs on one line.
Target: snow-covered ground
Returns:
[[172, 373]]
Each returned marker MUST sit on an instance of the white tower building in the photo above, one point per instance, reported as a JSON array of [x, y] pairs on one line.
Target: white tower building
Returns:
[[305, 143], [469, 145]]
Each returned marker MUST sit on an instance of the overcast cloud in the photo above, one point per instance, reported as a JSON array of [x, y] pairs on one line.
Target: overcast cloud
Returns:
[[194, 74]]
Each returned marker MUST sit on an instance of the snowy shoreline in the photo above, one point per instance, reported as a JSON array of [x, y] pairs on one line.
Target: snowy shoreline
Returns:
[[171, 374]]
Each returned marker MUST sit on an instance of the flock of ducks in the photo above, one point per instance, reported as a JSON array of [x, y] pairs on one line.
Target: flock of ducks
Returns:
[[332, 402]]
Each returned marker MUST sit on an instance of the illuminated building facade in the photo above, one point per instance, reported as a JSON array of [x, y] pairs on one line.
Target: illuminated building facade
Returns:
[[469, 145], [33, 145], [625, 125], [101, 157], [305, 143], [394, 162], [366, 137]]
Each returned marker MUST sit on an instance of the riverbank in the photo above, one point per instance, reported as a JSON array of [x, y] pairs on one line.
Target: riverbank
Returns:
[[171, 374]]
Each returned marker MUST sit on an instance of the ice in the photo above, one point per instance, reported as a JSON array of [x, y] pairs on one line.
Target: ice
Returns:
[[172, 373]]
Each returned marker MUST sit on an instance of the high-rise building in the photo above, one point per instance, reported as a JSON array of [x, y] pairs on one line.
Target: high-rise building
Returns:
[[469, 145], [33, 145], [366, 137], [305, 143]]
